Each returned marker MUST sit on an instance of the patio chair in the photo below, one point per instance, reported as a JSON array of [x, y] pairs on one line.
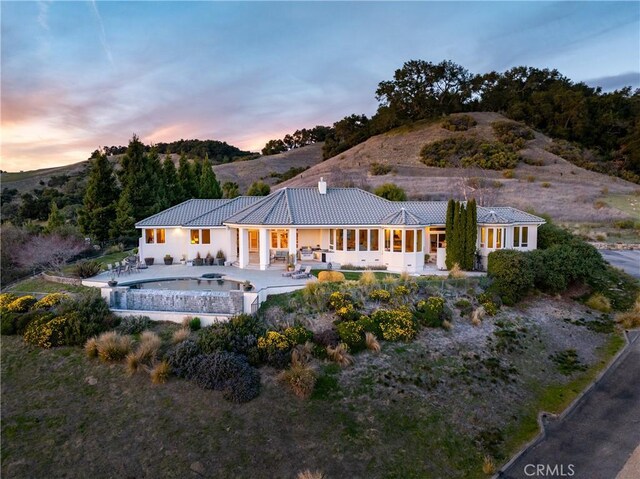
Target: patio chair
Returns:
[[288, 274], [117, 267], [305, 274]]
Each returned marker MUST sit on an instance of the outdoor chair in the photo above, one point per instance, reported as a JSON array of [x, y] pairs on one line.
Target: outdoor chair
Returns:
[[288, 274], [305, 274]]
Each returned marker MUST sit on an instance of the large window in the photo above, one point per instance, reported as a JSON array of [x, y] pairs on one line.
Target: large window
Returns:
[[339, 240], [149, 236], [520, 236], [351, 240], [419, 240], [332, 239], [279, 239], [206, 237], [397, 241], [374, 236], [195, 236], [436, 240], [409, 241], [363, 243], [499, 238], [483, 237], [387, 240], [494, 238]]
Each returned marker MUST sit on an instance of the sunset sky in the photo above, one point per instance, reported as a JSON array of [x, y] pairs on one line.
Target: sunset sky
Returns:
[[78, 75]]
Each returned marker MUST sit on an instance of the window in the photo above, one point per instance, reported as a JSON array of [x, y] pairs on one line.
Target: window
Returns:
[[409, 241], [160, 235], [279, 239], [149, 236], [206, 236], [525, 237], [397, 241], [339, 240], [195, 236], [332, 239], [274, 239], [374, 236], [436, 240], [387, 240], [351, 240], [483, 237], [419, 240], [490, 232], [363, 237], [516, 236], [499, 237]]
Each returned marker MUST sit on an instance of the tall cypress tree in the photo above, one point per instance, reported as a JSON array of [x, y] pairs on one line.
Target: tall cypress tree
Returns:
[[172, 188], [123, 228], [471, 234], [456, 243], [450, 219], [461, 235], [209, 186], [98, 210], [186, 178]]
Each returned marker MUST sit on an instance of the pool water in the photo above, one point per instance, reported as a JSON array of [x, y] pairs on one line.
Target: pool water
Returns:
[[187, 284]]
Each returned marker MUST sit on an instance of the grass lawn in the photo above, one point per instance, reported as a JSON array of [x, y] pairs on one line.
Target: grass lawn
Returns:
[[628, 203], [38, 285], [104, 260]]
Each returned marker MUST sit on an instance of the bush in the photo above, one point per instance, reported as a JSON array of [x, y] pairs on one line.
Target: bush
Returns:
[[512, 133], [512, 275], [380, 295], [463, 152], [391, 192], [87, 268], [599, 302], [401, 291], [348, 313], [464, 306], [194, 324], [89, 315], [630, 319], [21, 304], [617, 286], [134, 324], [6, 299], [301, 379], [91, 348], [352, 334], [431, 312], [338, 300], [160, 373], [379, 169], [21, 321], [459, 123], [330, 277], [180, 335], [181, 358], [395, 324], [340, 354], [327, 337], [239, 335], [230, 373], [274, 349], [371, 342], [112, 346], [298, 335], [8, 323], [46, 331], [50, 300]]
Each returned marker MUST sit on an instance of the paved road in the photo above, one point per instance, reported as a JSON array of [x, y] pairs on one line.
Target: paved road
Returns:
[[598, 436], [627, 260]]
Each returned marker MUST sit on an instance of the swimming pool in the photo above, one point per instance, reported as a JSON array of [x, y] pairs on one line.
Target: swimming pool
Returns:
[[187, 284]]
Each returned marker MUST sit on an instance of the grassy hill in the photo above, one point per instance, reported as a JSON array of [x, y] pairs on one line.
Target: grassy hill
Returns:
[[543, 182]]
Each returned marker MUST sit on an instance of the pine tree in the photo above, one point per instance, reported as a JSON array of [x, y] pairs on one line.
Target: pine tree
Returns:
[[123, 227], [471, 234], [55, 220], [450, 219], [186, 178], [172, 188], [209, 186], [98, 210]]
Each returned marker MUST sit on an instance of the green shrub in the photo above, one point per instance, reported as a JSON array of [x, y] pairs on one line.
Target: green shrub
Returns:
[[50, 300], [274, 349], [339, 299], [298, 335], [624, 224], [512, 133], [87, 268], [370, 326], [195, 324], [88, 315], [464, 306], [402, 291], [46, 332], [568, 362], [6, 299], [395, 324], [134, 324], [379, 169], [599, 302], [230, 373], [490, 308], [181, 358], [618, 287], [391, 192], [238, 335], [459, 123], [21, 304], [468, 152], [431, 312], [348, 313], [21, 321], [8, 323], [380, 295], [512, 275], [550, 234], [352, 334]]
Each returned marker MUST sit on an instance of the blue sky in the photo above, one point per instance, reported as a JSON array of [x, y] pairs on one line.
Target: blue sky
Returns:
[[78, 75]]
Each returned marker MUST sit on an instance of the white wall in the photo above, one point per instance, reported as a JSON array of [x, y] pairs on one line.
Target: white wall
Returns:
[[310, 238], [219, 240], [175, 245]]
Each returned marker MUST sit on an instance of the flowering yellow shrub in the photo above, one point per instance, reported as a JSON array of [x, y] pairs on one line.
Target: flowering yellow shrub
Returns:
[[46, 331], [274, 341], [395, 324], [402, 291], [50, 300], [6, 299], [381, 295], [338, 299], [330, 276], [22, 304]]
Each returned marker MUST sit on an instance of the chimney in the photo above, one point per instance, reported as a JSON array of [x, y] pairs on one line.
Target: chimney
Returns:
[[322, 186]]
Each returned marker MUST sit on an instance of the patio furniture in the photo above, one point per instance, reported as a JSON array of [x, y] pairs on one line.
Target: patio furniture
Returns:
[[280, 255], [305, 274], [288, 274]]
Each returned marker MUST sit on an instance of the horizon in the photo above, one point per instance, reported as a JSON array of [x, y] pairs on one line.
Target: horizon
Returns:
[[80, 75]]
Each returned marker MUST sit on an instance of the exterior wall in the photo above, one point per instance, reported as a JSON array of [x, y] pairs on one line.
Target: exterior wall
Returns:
[[219, 241], [175, 245], [311, 238], [508, 242]]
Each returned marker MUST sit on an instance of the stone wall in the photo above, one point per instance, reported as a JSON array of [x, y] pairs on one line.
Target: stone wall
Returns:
[[212, 302], [616, 246], [61, 279]]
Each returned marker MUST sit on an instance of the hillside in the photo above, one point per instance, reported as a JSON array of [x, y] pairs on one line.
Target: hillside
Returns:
[[246, 172], [557, 187]]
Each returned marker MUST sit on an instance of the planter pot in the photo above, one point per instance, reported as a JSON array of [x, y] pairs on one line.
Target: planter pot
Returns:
[[148, 261], [168, 261], [198, 262], [210, 261], [220, 261], [112, 283]]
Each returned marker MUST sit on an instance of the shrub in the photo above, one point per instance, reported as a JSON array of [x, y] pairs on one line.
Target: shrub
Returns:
[[302, 353], [348, 313], [298, 335], [50, 300], [134, 324], [391, 192], [338, 300], [183, 358], [91, 347], [301, 379], [340, 354], [89, 315], [490, 308], [21, 304], [87, 268], [240, 335], [512, 133], [274, 348], [478, 314], [531, 178], [545, 184], [371, 342], [379, 169], [431, 312], [508, 174], [6, 299], [459, 123], [46, 331], [330, 277], [512, 275], [395, 324], [132, 361], [380, 295], [8, 323], [401, 291], [243, 388], [160, 373], [327, 337], [599, 302], [112, 346], [617, 286], [468, 152], [488, 465], [464, 306], [624, 224], [194, 324], [230, 373], [630, 319], [180, 335], [352, 334], [567, 362], [21, 321]]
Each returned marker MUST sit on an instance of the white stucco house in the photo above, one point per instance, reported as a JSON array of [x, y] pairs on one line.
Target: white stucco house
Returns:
[[321, 224]]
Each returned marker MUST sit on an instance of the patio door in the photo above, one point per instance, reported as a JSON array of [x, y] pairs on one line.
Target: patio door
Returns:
[[254, 241]]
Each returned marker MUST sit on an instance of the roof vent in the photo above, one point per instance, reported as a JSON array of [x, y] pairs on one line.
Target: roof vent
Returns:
[[322, 186]]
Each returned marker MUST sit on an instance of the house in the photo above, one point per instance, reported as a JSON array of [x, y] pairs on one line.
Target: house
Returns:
[[329, 225]]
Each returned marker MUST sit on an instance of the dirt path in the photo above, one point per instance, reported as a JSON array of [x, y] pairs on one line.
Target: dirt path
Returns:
[[598, 436]]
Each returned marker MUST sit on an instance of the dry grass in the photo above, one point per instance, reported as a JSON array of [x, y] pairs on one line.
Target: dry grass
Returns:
[[330, 277], [405, 277], [340, 354], [630, 319], [301, 379], [91, 348], [371, 342], [132, 363], [180, 335], [478, 314], [186, 320], [149, 345], [113, 346], [599, 302], [160, 373], [302, 354], [488, 465], [447, 325], [456, 272], [367, 278], [307, 474]]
